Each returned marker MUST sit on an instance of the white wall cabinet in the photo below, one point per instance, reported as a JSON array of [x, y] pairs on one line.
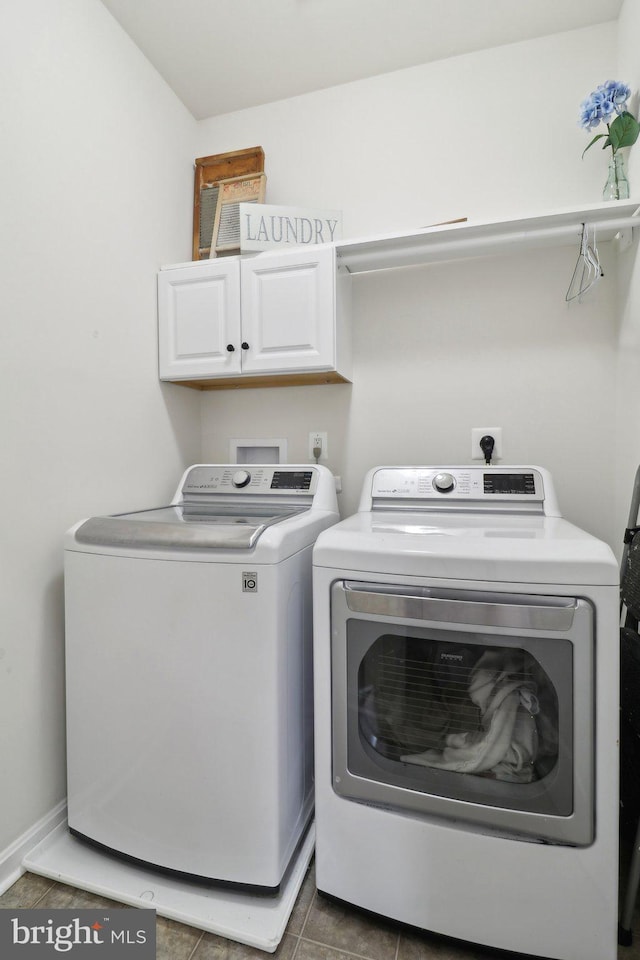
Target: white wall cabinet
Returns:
[[265, 320], [285, 317]]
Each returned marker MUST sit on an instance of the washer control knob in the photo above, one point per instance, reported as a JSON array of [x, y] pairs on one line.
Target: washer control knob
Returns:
[[444, 482], [241, 478]]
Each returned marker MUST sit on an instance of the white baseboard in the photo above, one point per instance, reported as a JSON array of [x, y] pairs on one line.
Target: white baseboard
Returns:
[[11, 858]]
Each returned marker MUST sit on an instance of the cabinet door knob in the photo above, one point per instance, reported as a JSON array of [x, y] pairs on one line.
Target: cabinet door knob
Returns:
[[245, 345], [230, 347]]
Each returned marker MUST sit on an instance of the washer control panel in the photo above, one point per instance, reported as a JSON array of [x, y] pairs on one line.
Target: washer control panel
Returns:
[[233, 479], [488, 484]]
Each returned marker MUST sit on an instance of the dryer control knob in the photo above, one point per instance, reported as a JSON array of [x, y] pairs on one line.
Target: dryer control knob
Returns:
[[241, 478], [444, 482]]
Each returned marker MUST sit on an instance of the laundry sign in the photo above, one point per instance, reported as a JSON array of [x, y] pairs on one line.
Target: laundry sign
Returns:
[[264, 226]]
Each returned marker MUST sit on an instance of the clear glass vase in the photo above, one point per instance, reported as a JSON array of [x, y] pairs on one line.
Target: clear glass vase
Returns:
[[617, 185]]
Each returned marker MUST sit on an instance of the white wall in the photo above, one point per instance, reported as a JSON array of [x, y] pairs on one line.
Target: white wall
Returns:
[[96, 173], [485, 135], [628, 370], [439, 350]]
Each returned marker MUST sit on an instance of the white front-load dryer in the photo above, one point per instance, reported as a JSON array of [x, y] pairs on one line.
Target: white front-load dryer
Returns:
[[189, 673], [466, 698]]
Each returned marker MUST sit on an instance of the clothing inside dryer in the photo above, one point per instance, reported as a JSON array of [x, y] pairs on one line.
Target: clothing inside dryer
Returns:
[[482, 710]]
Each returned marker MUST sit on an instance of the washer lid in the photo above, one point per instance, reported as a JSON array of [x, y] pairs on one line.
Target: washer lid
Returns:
[[184, 526]]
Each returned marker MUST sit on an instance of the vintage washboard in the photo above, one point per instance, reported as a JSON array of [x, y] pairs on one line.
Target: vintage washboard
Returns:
[[209, 171], [231, 193]]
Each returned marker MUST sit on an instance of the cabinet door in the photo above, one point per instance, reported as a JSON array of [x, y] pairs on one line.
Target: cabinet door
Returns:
[[288, 311], [199, 320]]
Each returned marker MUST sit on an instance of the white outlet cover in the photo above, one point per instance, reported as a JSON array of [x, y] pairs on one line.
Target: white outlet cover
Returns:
[[322, 436]]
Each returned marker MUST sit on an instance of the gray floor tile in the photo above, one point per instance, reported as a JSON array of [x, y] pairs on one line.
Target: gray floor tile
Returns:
[[26, 892], [417, 946], [309, 950], [212, 947], [343, 928], [175, 941]]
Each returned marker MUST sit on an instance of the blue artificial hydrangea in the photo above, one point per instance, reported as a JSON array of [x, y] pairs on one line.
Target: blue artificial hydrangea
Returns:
[[609, 98], [608, 104]]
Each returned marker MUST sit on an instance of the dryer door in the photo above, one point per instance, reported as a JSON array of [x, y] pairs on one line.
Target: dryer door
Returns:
[[469, 705]]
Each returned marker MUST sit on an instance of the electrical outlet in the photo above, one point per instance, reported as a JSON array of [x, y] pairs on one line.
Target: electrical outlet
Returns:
[[477, 433], [318, 438]]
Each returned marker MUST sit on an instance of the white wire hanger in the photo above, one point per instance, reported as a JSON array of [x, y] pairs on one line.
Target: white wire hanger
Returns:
[[587, 270]]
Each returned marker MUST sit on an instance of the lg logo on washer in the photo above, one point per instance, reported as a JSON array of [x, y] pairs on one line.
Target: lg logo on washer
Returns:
[[249, 581]]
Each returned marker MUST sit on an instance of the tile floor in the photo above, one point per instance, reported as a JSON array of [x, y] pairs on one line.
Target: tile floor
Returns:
[[318, 930]]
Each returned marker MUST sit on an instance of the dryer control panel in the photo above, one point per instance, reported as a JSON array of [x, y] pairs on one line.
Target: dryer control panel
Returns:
[[460, 488]]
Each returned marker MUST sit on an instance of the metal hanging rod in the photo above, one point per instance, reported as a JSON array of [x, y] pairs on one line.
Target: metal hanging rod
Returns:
[[467, 240]]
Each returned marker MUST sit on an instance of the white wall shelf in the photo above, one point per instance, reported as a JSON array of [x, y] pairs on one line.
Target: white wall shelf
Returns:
[[471, 239]]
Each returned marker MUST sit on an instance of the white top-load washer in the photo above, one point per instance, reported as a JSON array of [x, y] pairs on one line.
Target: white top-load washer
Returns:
[[189, 673], [466, 691]]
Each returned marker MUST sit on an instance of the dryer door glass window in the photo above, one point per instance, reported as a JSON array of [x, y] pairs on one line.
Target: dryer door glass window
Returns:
[[448, 705], [488, 712]]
